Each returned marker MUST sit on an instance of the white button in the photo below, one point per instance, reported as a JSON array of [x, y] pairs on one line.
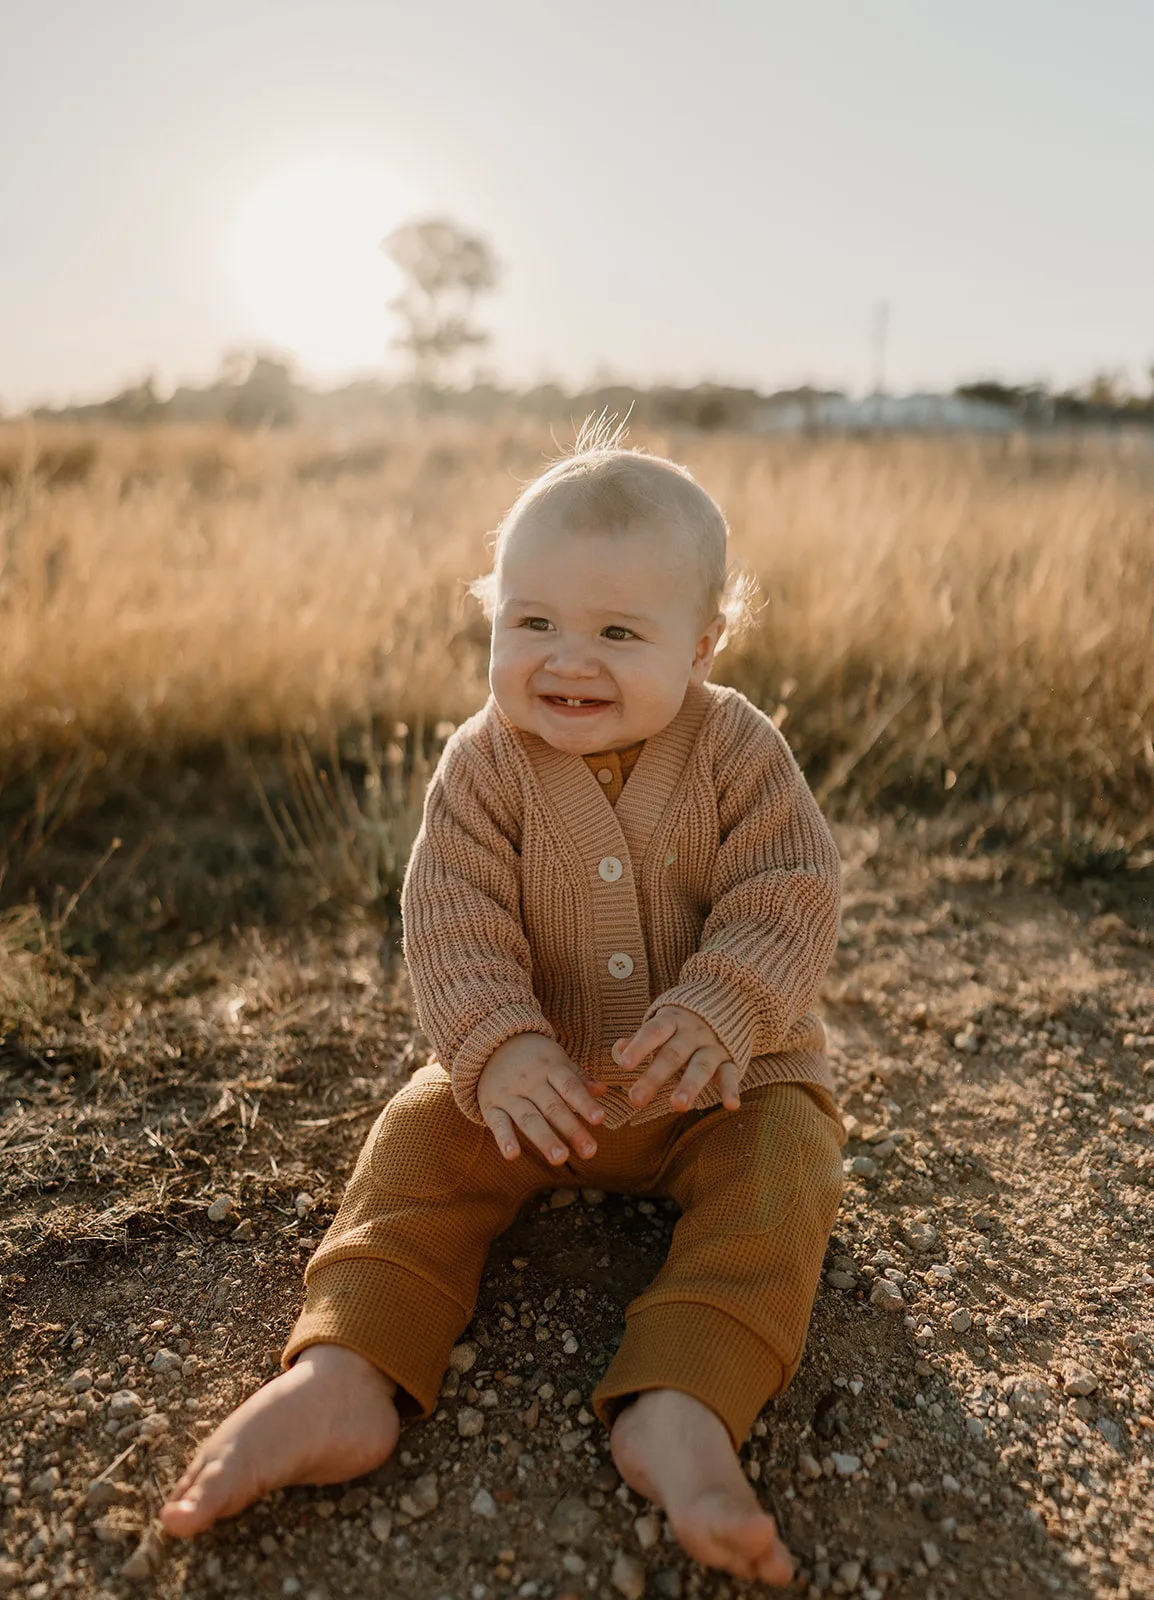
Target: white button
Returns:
[[620, 964], [604, 775], [610, 869]]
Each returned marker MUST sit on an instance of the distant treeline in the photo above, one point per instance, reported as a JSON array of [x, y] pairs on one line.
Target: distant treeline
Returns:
[[259, 391]]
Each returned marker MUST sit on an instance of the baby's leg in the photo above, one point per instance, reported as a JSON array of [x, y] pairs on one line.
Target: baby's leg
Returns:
[[722, 1327], [390, 1290]]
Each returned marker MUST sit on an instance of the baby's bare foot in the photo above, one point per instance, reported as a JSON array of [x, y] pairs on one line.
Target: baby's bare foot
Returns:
[[328, 1418], [677, 1452]]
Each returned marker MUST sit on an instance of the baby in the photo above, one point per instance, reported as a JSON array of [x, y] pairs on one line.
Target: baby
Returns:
[[617, 916]]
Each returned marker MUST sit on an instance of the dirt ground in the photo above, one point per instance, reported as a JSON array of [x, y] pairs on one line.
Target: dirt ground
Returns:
[[974, 1415]]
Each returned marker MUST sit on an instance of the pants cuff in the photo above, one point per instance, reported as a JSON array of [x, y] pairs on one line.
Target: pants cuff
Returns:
[[697, 1350], [400, 1322]]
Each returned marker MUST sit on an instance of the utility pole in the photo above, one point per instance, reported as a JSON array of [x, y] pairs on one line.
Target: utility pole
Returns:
[[881, 333]]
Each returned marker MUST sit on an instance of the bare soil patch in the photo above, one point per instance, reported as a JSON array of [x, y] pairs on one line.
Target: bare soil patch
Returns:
[[991, 1435]]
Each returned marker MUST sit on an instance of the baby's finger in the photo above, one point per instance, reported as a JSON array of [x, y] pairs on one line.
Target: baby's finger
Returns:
[[729, 1083], [533, 1125], [501, 1127], [702, 1065], [562, 1120], [650, 1036], [668, 1061], [576, 1093]]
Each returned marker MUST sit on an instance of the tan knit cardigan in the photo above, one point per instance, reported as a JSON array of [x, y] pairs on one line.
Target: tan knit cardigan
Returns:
[[531, 905]]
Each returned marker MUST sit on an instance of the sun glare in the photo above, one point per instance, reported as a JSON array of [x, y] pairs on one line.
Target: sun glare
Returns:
[[303, 260]]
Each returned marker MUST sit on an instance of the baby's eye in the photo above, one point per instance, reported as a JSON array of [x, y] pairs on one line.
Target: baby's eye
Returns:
[[616, 631], [537, 623]]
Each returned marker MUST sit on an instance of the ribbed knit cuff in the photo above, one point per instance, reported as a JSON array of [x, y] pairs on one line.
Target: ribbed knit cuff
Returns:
[[473, 1056], [721, 1008], [697, 1350], [399, 1322]]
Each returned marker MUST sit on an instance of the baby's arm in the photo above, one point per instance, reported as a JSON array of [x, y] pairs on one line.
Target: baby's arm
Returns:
[[469, 960], [772, 929]]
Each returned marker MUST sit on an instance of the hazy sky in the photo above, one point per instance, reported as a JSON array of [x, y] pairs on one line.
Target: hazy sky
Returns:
[[715, 190]]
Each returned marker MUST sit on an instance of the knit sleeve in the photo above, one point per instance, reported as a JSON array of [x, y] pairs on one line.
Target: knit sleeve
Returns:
[[775, 898], [464, 943]]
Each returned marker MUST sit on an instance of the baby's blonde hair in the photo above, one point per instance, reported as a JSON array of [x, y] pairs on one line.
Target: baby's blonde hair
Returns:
[[602, 487]]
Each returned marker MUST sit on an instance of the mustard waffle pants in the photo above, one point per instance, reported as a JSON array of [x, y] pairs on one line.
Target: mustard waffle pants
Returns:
[[396, 1276]]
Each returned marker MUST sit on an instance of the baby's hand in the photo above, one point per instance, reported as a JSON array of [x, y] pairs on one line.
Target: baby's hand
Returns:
[[530, 1081], [681, 1039]]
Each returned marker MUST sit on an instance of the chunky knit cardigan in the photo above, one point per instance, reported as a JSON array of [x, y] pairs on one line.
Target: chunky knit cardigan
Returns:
[[531, 905]]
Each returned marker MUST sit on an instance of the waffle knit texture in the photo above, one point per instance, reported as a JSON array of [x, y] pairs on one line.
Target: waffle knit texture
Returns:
[[725, 1320], [532, 904]]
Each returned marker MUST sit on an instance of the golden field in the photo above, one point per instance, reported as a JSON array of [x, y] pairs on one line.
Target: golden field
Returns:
[[947, 623]]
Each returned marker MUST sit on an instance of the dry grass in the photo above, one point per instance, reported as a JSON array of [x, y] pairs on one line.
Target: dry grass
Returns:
[[960, 620]]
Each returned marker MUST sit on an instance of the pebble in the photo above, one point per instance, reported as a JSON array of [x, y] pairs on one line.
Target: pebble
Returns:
[[863, 1167], [79, 1381], [561, 1198], [11, 1573], [45, 1482], [303, 1204], [423, 1497], [808, 1466], [124, 1403], [593, 1197], [1110, 1431], [647, 1528], [165, 1361], [950, 1484], [887, 1296], [849, 1573], [381, 1526], [154, 1426], [845, 1465], [243, 1231], [101, 1494], [483, 1504], [470, 1422], [841, 1280], [931, 1555], [922, 1237], [220, 1208], [968, 1041], [145, 1559], [353, 1501], [961, 1321], [572, 1521], [463, 1357], [1079, 1381], [569, 1344], [628, 1576], [573, 1440]]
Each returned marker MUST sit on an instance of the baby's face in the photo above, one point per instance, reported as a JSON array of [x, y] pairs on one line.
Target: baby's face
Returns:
[[596, 637]]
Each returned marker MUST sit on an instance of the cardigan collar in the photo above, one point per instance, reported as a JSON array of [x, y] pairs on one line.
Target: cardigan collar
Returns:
[[576, 794]]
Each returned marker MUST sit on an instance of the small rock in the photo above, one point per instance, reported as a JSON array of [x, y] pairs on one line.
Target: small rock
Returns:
[[243, 1231], [11, 1573], [483, 1504], [627, 1576], [268, 1545], [648, 1529], [463, 1357], [863, 1167], [154, 1426], [668, 1584], [593, 1197], [423, 1497], [572, 1521], [961, 1321], [381, 1526], [45, 1482], [470, 1422], [101, 1494], [144, 1561], [569, 1344], [79, 1381], [573, 1440], [1110, 1431], [1079, 1381], [353, 1502], [841, 1280], [808, 1466], [887, 1296], [968, 1042], [931, 1555], [561, 1198], [220, 1208], [950, 1484], [303, 1204], [165, 1361], [849, 1573], [845, 1465], [922, 1237], [975, 1427]]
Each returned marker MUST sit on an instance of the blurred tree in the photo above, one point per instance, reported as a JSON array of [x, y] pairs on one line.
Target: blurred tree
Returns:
[[444, 270], [268, 396]]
